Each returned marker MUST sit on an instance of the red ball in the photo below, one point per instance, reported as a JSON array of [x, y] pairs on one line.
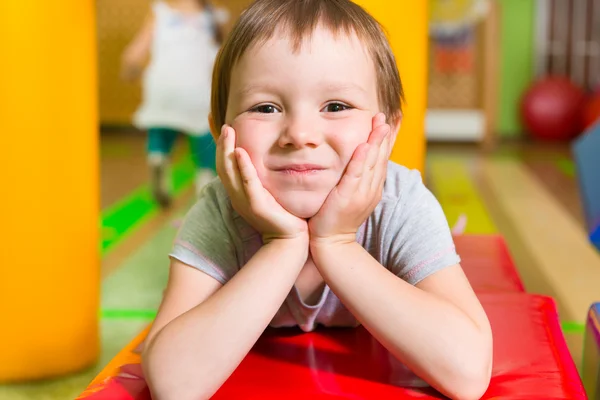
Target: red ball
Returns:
[[551, 109], [591, 111]]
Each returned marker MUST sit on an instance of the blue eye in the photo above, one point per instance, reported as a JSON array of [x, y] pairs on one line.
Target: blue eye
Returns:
[[265, 109], [336, 107]]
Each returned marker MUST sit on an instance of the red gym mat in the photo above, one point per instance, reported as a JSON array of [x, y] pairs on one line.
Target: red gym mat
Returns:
[[531, 361]]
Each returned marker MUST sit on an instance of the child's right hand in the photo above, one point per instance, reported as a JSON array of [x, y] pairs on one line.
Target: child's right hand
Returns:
[[249, 197]]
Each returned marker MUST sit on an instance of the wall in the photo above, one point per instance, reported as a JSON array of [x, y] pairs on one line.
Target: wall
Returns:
[[117, 23], [516, 69]]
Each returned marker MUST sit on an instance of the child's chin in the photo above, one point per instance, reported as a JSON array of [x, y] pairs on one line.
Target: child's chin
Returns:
[[302, 208], [304, 213]]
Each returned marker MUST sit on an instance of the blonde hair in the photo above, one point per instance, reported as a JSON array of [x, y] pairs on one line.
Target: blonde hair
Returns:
[[299, 18]]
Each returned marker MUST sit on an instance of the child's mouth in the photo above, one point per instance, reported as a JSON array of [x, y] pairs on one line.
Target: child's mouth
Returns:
[[300, 169], [301, 172]]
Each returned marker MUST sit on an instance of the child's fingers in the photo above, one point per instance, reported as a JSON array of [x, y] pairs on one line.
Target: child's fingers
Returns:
[[378, 120], [350, 182], [372, 162], [230, 164], [376, 138], [251, 182], [378, 134], [382, 162]]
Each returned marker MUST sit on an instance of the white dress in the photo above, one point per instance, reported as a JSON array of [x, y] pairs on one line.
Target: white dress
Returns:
[[177, 82]]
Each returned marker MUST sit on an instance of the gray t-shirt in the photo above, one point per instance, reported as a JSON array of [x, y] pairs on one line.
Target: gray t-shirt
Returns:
[[407, 233]]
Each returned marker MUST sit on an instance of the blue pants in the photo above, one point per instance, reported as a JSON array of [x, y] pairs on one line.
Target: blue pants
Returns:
[[203, 149]]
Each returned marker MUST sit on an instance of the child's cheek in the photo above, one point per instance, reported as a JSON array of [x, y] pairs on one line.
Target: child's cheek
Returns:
[[346, 135], [248, 132], [254, 136]]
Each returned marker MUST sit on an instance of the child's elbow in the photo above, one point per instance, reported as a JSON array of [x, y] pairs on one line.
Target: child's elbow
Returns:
[[471, 389], [166, 387], [166, 382], [472, 382]]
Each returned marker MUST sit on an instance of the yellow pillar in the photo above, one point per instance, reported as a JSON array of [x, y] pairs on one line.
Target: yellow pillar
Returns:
[[49, 252], [406, 22]]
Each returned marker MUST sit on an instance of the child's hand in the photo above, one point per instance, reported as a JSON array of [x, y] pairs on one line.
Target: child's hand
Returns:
[[249, 197], [358, 192]]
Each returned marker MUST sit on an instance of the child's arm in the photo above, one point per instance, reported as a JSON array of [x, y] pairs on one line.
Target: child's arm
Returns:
[[203, 330], [438, 328], [137, 52]]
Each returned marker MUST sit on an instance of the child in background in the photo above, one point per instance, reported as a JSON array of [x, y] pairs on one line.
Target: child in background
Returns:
[[309, 224], [182, 38]]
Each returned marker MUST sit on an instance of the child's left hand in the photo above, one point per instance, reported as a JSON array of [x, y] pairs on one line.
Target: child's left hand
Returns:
[[359, 191]]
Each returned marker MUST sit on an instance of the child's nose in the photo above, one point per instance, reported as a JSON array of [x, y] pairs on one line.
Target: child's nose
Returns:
[[300, 132]]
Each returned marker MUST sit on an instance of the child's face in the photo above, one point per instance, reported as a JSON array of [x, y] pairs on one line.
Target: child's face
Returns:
[[300, 116]]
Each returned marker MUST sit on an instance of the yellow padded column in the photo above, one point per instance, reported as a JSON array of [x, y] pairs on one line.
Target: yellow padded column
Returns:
[[49, 244], [406, 22]]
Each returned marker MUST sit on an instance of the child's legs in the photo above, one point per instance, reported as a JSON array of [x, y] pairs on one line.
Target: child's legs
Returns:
[[160, 144], [203, 151]]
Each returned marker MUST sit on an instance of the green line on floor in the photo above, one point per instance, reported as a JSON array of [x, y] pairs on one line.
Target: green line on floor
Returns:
[[128, 314], [572, 327], [126, 215], [566, 166]]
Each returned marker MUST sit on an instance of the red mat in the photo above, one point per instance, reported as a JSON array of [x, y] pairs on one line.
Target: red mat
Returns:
[[531, 361]]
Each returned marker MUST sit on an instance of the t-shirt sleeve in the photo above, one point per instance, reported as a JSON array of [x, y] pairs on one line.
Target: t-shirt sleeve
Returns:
[[205, 241], [419, 238]]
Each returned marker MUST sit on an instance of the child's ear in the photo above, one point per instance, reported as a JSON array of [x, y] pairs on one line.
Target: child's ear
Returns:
[[396, 125], [213, 131], [395, 129]]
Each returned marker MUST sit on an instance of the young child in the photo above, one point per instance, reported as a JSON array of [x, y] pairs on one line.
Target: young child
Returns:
[[309, 224], [182, 37]]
